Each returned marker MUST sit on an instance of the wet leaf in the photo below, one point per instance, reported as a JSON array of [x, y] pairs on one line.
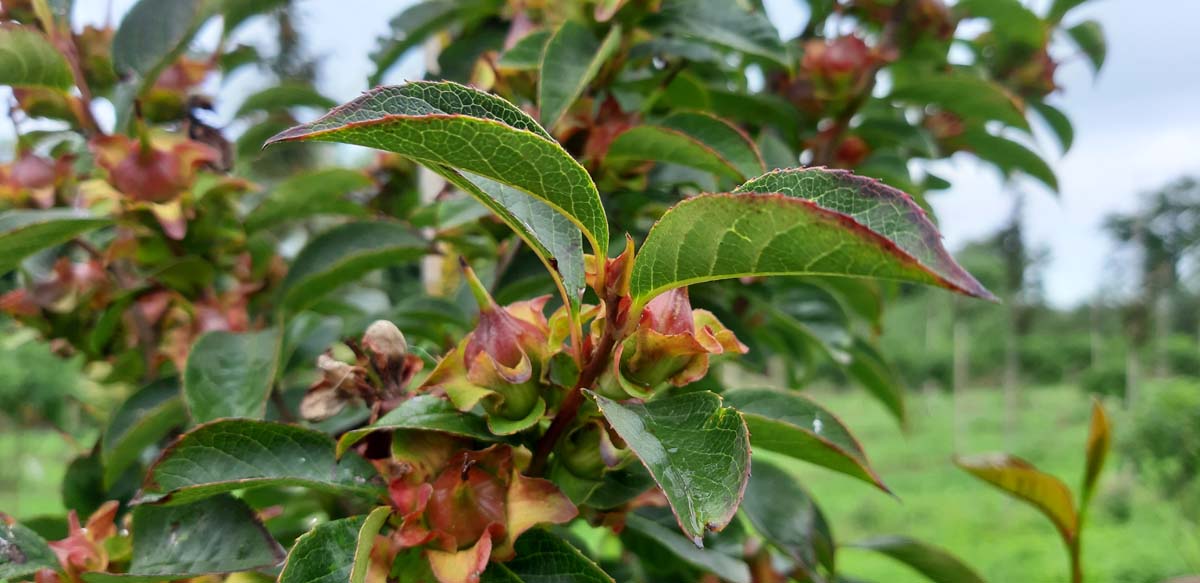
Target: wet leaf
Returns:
[[25, 232], [692, 139], [545, 558], [220, 534], [790, 424], [309, 194], [697, 450], [446, 125], [1099, 441], [825, 223], [797, 526], [936, 564], [334, 552], [342, 255], [23, 552], [27, 59], [1021, 480], [572, 58], [724, 566], [230, 374], [142, 420], [422, 413], [233, 454]]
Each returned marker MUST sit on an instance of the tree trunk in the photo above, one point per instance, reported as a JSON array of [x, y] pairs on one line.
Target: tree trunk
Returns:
[[1132, 377], [961, 370]]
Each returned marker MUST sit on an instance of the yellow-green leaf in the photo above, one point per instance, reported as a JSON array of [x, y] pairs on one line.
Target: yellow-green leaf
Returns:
[[27, 59], [1021, 480]]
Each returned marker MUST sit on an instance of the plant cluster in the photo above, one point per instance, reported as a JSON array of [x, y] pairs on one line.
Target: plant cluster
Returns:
[[493, 368]]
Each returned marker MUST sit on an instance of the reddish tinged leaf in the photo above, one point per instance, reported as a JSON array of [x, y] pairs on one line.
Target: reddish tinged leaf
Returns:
[[724, 236], [1020, 479], [883, 210], [1099, 441]]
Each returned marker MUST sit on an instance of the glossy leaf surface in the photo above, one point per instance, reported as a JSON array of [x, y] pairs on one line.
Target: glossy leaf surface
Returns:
[[337, 551], [423, 413], [725, 24], [697, 449], [233, 454], [790, 424], [724, 566], [728, 236], [230, 374], [449, 125], [220, 534], [543, 557]]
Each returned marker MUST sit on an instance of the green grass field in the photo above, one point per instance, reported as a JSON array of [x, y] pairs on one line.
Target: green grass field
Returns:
[[1132, 536]]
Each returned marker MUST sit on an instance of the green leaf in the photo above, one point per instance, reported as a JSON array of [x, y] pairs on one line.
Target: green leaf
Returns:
[[236, 12], [545, 558], [868, 367], [25, 232], [551, 235], [796, 526], [936, 564], [1099, 441], [308, 194], [724, 566], [1009, 156], [343, 254], [230, 374], [288, 95], [725, 24], [24, 552], [449, 125], [1058, 121], [974, 98], [1059, 8], [805, 222], [571, 60], [692, 139], [526, 55], [1089, 37], [1021, 480], [1010, 19], [424, 413], [793, 425], [153, 33], [233, 454], [420, 21], [218, 535], [697, 450], [27, 59], [142, 420], [334, 552]]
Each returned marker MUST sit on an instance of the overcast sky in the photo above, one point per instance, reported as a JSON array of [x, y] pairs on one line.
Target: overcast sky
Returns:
[[1137, 126]]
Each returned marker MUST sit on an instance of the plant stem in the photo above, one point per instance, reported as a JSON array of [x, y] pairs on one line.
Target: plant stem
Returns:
[[597, 362]]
